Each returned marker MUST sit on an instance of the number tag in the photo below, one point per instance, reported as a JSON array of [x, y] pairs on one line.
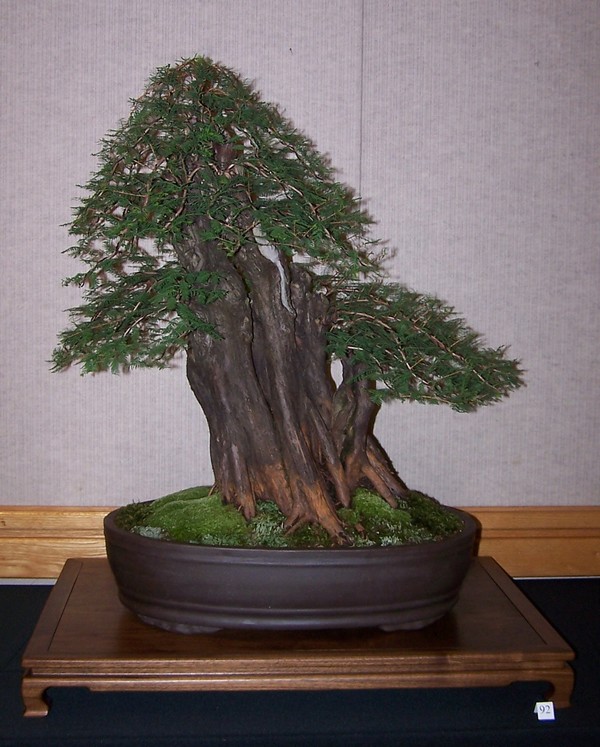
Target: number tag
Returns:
[[545, 711]]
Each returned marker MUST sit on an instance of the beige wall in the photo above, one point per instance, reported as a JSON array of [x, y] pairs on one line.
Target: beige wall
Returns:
[[469, 127]]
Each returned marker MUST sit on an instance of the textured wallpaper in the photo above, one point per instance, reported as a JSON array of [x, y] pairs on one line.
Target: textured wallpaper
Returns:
[[469, 128]]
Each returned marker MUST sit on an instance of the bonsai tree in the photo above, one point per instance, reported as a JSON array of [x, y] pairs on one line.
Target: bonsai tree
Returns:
[[213, 227]]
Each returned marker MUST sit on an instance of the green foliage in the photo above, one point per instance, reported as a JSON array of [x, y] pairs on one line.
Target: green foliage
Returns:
[[414, 347], [140, 318], [202, 152], [199, 517]]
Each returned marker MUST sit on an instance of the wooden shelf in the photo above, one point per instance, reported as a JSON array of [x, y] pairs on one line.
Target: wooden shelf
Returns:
[[86, 638]]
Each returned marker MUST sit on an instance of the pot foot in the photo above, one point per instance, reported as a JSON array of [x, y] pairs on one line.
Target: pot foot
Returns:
[[174, 627], [415, 625]]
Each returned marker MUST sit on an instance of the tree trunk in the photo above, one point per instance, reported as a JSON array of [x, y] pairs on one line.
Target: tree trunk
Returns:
[[279, 429]]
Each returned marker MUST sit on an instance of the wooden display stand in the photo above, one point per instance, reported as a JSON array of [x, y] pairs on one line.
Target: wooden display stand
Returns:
[[492, 637]]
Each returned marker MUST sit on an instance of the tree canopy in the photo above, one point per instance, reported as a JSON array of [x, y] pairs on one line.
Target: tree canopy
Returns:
[[200, 144]]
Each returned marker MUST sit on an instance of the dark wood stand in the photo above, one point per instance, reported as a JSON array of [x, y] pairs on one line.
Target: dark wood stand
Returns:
[[492, 637]]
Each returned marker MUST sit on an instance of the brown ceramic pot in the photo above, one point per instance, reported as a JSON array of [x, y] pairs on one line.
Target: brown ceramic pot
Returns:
[[197, 589]]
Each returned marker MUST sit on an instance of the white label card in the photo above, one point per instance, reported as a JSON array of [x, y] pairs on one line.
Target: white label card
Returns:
[[545, 711]]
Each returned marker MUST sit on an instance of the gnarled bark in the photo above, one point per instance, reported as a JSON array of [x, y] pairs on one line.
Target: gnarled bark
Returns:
[[277, 425], [280, 429]]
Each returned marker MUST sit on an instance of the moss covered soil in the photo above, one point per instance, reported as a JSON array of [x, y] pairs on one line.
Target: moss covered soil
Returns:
[[198, 516]]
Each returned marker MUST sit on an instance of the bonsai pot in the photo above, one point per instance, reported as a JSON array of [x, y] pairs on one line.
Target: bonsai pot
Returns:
[[189, 588]]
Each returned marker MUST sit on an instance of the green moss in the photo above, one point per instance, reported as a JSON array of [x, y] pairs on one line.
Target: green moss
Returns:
[[268, 527], [371, 521], [432, 516], [197, 516], [132, 515]]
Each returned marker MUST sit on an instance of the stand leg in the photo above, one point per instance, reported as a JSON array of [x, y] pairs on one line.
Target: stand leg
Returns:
[[562, 687], [34, 697]]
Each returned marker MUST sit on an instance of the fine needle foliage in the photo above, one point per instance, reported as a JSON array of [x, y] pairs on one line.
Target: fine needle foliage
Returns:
[[214, 228]]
